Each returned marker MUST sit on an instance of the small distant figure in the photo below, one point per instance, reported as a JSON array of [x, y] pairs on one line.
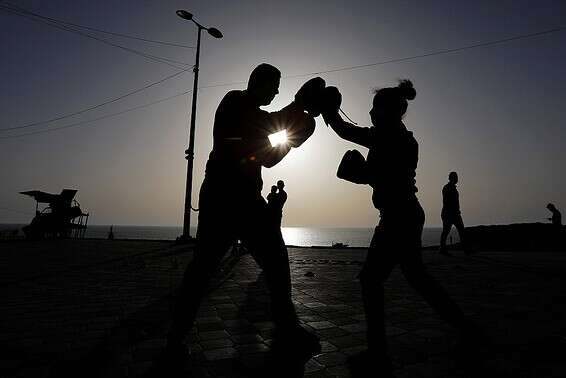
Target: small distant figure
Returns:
[[272, 196], [450, 214], [282, 192], [276, 200], [111, 233], [556, 218]]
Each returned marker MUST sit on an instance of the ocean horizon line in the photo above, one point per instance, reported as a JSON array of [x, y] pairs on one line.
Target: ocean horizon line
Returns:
[[293, 235], [194, 227]]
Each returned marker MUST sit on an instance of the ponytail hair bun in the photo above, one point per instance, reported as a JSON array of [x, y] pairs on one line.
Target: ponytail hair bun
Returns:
[[406, 89]]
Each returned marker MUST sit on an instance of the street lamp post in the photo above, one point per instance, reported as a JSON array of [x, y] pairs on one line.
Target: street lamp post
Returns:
[[190, 151]]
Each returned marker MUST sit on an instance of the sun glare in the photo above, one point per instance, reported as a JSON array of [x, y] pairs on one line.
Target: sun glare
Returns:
[[278, 138]]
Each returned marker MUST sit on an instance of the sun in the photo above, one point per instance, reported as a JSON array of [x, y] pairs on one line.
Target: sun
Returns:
[[278, 138]]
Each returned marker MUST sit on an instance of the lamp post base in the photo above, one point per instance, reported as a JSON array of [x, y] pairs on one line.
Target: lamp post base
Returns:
[[185, 239]]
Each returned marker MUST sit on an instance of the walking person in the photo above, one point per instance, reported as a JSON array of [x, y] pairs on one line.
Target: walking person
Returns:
[[451, 215], [390, 170]]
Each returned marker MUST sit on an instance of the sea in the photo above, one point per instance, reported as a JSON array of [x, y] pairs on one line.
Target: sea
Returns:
[[293, 236]]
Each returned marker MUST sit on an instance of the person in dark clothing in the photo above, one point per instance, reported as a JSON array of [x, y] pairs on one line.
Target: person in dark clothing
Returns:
[[282, 198], [451, 215], [556, 218], [276, 200], [240, 149], [272, 200], [390, 171], [282, 193]]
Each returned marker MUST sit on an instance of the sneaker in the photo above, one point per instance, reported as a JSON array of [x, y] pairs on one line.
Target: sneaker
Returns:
[[366, 364]]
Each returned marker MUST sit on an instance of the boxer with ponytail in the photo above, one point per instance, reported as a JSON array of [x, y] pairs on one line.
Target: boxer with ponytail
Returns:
[[390, 170]]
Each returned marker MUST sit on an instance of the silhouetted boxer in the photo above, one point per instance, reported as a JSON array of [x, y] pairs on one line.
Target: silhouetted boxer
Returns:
[[240, 149], [390, 171]]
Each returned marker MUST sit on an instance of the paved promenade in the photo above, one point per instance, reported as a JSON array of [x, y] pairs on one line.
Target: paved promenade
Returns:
[[97, 308]]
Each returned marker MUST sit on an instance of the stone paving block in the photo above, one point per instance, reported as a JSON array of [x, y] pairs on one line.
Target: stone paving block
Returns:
[[331, 332], [226, 367], [321, 325], [196, 347], [216, 344], [252, 348], [229, 314], [340, 321], [331, 359], [327, 347], [267, 334], [355, 327], [219, 299], [220, 354], [339, 371], [316, 374], [360, 317], [244, 330], [226, 307], [249, 338], [430, 333], [236, 323], [353, 350], [211, 335], [313, 366], [311, 318], [345, 341], [208, 320], [315, 305], [210, 327], [394, 331], [264, 325]]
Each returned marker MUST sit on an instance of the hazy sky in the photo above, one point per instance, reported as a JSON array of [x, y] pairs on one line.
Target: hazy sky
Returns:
[[493, 114]]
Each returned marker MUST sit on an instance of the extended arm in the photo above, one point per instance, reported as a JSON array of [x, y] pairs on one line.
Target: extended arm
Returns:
[[299, 127], [347, 131], [332, 99]]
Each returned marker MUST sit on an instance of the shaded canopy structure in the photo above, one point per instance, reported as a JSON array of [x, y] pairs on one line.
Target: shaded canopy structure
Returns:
[[61, 218]]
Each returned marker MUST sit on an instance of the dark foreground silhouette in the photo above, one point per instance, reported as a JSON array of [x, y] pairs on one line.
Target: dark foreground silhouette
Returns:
[[390, 171], [241, 148]]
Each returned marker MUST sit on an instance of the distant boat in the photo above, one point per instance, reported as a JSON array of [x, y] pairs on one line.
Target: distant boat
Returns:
[[339, 245]]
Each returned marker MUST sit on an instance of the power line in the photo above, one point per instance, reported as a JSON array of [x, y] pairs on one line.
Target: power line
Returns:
[[32, 16], [107, 31], [412, 57], [58, 118], [438, 52], [98, 118], [348, 68]]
